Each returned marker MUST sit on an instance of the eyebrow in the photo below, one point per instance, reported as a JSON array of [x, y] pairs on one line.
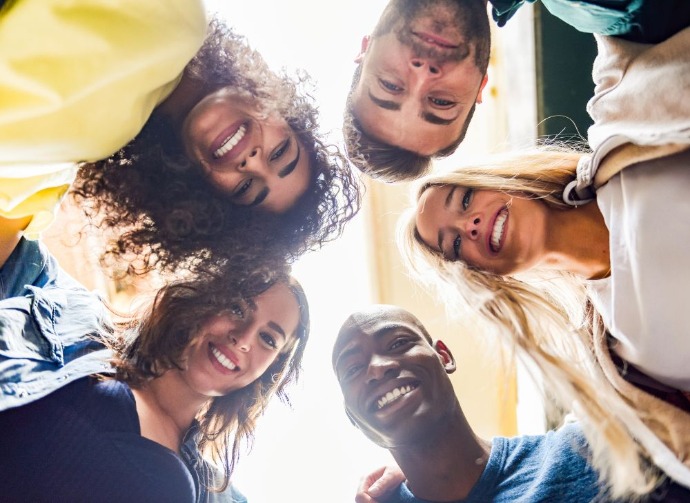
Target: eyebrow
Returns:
[[435, 119], [427, 116], [290, 167], [379, 334], [260, 197], [449, 199], [388, 105], [344, 354]]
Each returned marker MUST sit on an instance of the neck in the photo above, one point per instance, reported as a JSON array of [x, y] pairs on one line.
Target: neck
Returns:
[[446, 462], [166, 409], [579, 242], [181, 101]]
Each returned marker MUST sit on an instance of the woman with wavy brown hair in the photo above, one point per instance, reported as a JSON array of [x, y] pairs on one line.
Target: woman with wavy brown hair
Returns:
[[156, 407]]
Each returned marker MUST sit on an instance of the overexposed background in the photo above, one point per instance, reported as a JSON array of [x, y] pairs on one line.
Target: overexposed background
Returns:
[[311, 452]]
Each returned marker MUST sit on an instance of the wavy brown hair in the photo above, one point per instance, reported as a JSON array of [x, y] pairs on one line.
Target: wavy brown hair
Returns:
[[156, 204], [150, 345]]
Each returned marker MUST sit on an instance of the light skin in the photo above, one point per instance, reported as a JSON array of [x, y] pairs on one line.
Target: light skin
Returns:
[[226, 355], [254, 157], [417, 97], [508, 233], [397, 391]]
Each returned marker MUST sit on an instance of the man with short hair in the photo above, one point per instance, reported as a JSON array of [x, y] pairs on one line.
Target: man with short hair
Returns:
[[397, 391], [422, 71]]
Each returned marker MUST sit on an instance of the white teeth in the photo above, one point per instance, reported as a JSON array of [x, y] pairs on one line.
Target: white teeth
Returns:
[[230, 142], [391, 396], [222, 359], [497, 232]]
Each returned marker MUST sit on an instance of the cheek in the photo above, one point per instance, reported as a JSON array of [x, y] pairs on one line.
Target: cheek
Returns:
[[224, 181]]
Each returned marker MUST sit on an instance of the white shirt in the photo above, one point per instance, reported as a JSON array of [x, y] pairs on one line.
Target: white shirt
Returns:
[[645, 302]]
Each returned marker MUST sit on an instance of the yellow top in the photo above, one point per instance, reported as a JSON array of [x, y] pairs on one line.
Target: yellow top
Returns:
[[78, 80]]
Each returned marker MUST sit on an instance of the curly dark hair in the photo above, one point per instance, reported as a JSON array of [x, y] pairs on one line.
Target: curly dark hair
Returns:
[[148, 346], [157, 205]]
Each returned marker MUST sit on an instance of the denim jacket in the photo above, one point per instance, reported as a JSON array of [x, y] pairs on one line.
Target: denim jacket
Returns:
[[590, 16], [45, 320]]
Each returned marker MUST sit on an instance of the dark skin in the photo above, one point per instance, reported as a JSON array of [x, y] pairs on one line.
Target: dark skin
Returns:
[[384, 350]]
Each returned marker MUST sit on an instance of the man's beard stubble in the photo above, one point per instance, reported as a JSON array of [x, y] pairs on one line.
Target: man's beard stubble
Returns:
[[448, 17]]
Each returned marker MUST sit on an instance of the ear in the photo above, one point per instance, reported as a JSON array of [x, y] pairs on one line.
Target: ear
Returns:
[[363, 49], [446, 356], [481, 88]]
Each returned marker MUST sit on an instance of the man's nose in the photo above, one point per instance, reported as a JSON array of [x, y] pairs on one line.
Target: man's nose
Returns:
[[431, 68], [379, 367]]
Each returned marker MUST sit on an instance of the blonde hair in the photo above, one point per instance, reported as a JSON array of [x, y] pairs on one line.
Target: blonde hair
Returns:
[[544, 316]]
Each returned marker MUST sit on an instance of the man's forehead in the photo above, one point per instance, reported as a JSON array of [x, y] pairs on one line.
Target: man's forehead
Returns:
[[375, 319]]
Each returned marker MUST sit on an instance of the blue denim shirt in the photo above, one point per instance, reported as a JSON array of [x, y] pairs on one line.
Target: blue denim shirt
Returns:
[[46, 318]]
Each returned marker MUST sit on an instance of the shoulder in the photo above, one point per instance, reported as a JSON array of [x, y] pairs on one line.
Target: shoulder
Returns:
[[554, 465], [402, 495]]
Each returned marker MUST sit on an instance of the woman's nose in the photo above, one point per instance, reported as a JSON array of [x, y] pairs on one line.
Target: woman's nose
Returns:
[[250, 161], [472, 226], [241, 342]]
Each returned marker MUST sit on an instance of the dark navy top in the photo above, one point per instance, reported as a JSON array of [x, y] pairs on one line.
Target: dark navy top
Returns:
[[83, 443]]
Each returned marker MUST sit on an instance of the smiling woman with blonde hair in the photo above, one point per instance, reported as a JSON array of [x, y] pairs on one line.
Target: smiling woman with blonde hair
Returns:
[[496, 237]]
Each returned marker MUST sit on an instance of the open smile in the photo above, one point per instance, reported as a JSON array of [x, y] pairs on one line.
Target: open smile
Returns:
[[230, 142], [391, 396], [223, 360], [497, 234]]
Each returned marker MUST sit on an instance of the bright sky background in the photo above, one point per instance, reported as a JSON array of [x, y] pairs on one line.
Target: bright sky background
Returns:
[[311, 453]]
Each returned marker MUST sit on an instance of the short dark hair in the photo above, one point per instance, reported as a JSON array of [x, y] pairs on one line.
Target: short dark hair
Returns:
[[389, 163]]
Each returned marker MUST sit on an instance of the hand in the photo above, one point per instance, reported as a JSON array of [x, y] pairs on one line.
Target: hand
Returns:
[[379, 484]]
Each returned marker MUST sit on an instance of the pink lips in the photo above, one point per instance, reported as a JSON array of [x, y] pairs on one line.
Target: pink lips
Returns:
[[227, 353], [224, 135]]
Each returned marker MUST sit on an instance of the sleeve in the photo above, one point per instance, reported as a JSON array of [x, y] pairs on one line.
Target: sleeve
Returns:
[[30, 264], [78, 80], [503, 10]]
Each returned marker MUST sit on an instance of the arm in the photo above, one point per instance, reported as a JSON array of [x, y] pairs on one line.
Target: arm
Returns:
[[379, 484]]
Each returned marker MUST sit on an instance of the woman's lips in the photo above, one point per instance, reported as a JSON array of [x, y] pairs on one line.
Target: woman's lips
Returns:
[[497, 235], [231, 141], [222, 359]]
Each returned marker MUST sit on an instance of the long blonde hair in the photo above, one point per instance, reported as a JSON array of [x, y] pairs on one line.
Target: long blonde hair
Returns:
[[544, 316]]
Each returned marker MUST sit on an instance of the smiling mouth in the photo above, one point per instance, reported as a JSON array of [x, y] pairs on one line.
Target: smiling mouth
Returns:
[[222, 359], [496, 242], [230, 142], [394, 395]]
